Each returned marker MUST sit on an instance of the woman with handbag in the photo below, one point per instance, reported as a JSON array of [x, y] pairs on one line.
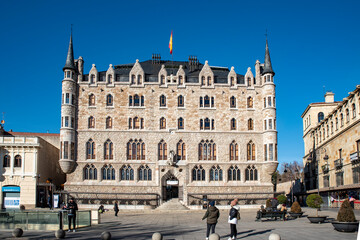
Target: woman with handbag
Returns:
[[234, 216]]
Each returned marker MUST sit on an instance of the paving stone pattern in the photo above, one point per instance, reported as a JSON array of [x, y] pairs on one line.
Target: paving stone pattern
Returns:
[[187, 225]]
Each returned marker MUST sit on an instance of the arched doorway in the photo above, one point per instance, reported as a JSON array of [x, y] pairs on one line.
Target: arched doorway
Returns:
[[170, 187]]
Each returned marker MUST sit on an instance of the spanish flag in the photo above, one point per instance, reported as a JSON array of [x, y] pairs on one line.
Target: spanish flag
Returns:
[[170, 43]]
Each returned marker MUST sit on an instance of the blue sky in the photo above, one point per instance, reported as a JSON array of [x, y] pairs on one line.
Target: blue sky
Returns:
[[312, 44]]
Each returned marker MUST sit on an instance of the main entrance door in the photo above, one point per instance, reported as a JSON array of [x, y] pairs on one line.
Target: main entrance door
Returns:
[[171, 188]]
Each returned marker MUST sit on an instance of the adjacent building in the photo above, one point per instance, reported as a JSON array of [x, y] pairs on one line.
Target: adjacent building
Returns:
[[332, 146], [155, 130], [29, 170]]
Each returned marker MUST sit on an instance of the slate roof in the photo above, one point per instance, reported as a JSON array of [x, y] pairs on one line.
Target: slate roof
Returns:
[[152, 70]]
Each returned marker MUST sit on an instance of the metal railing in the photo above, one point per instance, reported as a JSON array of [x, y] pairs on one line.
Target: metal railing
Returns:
[[338, 163]]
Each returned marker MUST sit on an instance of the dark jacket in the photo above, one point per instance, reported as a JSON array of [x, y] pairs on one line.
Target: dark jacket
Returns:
[[212, 215], [72, 207], [233, 213], [116, 207]]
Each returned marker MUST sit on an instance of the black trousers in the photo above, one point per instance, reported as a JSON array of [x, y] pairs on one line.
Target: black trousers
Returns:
[[116, 213], [212, 227], [73, 218], [233, 230]]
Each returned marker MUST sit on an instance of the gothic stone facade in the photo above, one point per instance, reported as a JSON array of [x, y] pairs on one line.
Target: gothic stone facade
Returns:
[[151, 126]]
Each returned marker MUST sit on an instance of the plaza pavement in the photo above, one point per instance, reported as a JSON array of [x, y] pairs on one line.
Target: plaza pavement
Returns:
[[187, 225]]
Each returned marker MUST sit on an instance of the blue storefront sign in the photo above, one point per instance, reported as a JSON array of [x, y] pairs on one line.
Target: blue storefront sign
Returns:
[[10, 189]]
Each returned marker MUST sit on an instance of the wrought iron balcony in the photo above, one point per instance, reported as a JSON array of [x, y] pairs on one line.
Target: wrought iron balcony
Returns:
[[354, 157], [325, 168], [338, 163]]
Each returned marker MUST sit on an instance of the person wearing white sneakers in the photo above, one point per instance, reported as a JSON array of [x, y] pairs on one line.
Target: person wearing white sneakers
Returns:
[[234, 216], [212, 214]]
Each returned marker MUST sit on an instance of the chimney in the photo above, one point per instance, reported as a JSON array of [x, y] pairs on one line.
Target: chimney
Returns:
[[156, 59], [329, 97], [193, 63]]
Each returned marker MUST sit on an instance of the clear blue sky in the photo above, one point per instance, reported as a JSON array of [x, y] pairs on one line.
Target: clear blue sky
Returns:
[[312, 44]]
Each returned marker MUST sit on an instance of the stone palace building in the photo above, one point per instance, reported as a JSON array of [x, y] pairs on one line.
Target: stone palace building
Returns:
[[331, 133], [145, 132]]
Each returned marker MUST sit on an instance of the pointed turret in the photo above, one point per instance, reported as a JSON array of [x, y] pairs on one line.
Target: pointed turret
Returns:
[[267, 64], [70, 57]]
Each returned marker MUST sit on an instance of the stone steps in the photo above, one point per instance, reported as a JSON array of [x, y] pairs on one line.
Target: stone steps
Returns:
[[172, 204]]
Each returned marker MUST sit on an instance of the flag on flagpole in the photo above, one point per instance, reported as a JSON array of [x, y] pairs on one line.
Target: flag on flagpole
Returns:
[[170, 43]]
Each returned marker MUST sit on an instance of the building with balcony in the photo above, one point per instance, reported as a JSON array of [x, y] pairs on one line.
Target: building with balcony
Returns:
[[331, 133], [29, 169]]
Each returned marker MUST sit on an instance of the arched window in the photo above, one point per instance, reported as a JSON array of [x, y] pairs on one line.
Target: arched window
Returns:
[[181, 80], [6, 162], [250, 103], [251, 124], [181, 150], [201, 124], [162, 150], [144, 173], [234, 151], [353, 110], [212, 102], [136, 123], [180, 101], [336, 123], [90, 172], [232, 81], [209, 81], [91, 100], [347, 112], [201, 102], [233, 102], [90, 149], [234, 174], [327, 130], [250, 151], [198, 173], [181, 123], [162, 80], [133, 79], [233, 124], [162, 123], [251, 173], [136, 100], [139, 79], [206, 101], [249, 81], [207, 124], [162, 101], [332, 127], [142, 101], [130, 101], [341, 120], [320, 116], [130, 123], [126, 173], [109, 79], [212, 124], [108, 172], [108, 150], [91, 122], [92, 78], [17, 162], [207, 150], [109, 100], [202, 80], [108, 122], [135, 150], [216, 173]]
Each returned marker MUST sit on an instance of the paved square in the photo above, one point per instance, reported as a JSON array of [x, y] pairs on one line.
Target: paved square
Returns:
[[181, 225]]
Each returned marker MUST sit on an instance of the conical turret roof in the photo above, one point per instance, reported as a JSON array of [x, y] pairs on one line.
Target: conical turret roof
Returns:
[[70, 57], [267, 64]]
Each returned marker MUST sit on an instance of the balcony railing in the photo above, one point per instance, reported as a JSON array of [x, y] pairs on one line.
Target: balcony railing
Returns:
[[354, 157], [338, 163], [325, 168]]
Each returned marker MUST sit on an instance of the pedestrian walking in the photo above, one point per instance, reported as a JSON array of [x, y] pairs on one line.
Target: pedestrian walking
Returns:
[[116, 208], [234, 216], [72, 208], [212, 214]]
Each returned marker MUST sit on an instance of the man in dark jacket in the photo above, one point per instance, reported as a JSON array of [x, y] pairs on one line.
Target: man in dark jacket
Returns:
[[72, 208], [212, 215]]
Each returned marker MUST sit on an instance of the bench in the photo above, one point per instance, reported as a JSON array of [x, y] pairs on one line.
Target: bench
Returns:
[[271, 214], [5, 217]]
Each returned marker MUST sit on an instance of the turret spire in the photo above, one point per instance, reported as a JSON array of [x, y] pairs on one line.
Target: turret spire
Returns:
[[70, 56], [267, 64]]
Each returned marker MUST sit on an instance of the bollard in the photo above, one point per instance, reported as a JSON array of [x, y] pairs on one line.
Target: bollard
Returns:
[[214, 236], [17, 232], [274, 236], [106, 236], [157, 236], [59, 234]]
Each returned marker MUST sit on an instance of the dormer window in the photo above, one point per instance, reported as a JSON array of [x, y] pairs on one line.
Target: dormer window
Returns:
[[209, 81], [181, 80], [109, 79], [232, 81], [202, 81], [92, 78], [139, 79], [133, 80], [249, 81], [162, 80]]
